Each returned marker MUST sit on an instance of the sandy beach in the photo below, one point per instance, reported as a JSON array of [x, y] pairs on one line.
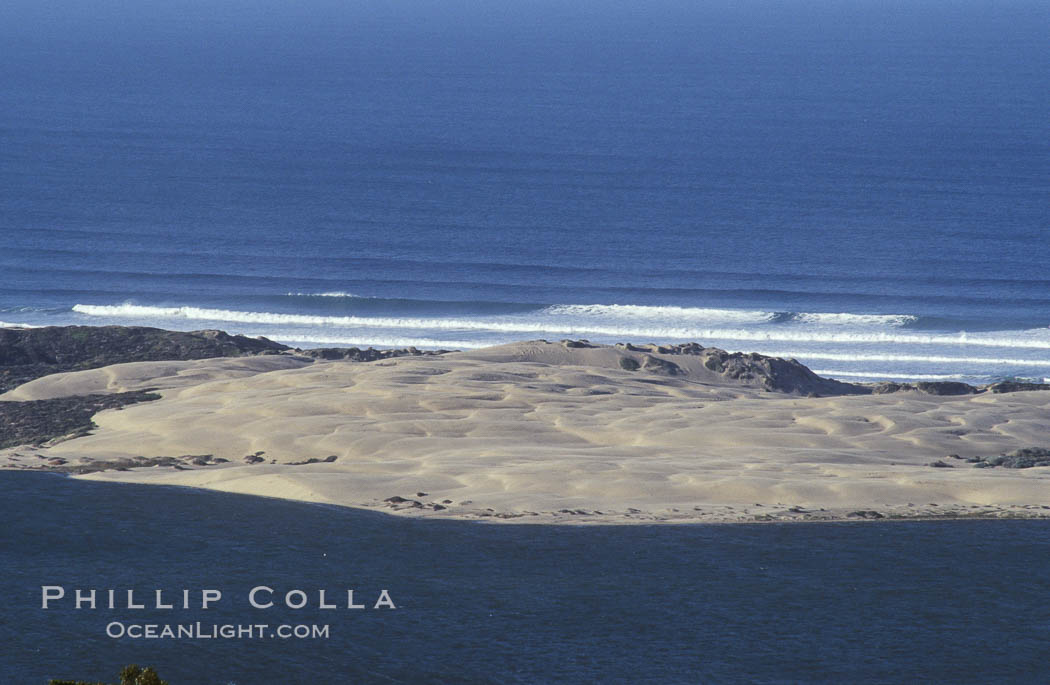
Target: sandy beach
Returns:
[[553, 432]]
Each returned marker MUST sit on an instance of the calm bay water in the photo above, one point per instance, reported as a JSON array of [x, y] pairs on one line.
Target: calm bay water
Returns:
[[861, 186], [944, 602]]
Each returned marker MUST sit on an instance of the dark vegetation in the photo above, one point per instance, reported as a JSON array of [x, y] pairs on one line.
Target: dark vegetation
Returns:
[[129, 675], [29, 353], [37, 421]]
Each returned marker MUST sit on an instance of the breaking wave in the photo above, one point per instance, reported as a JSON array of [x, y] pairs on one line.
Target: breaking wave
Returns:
[[622, 322], [881, 375], [650, 313], [928, 359], [373, 341], [843, 319]]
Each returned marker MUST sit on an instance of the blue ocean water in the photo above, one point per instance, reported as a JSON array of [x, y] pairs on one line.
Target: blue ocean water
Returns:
[[934, 602], [863, 186]]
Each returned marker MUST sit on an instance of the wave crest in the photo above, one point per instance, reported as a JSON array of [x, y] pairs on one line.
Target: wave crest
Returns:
[[843, 319], [335, 293], [372, 341], [539, 324], [659, 313]]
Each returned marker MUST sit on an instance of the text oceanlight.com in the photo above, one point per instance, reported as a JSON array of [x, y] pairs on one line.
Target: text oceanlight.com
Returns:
[[214, 631]]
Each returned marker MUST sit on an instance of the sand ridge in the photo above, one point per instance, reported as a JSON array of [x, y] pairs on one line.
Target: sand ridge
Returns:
[[537, 432], [146, 375]]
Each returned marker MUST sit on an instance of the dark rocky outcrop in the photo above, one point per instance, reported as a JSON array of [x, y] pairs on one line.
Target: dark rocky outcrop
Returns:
[[865, 514], [577, 344], [887, 387], [935, 388], [1016, 386], [37, 421], [946, 388], [204, 459], [29, 353], [955, 387], [1024, 458], [772, 373], [312, 460], [408, 503], [662, 366], [776, 374], [789, 375], [629, 364], [681, 348], [355, 354], [125, 464]]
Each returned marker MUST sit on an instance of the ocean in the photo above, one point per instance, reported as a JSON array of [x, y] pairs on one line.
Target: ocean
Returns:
[[868, 602], [861, 186]]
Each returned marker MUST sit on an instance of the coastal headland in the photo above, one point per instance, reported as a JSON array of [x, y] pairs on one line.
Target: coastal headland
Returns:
[[529, 432]]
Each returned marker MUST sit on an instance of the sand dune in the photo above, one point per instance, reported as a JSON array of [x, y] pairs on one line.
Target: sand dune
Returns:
[[536, 432], [143, 375]]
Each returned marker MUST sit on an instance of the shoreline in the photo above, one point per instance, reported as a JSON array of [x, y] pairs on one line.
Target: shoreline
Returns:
[[1014, 513]]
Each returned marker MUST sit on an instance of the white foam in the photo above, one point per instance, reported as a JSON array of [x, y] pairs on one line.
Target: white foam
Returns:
[[528, 324], [336, 293], [531, 325], [380, 341], [7, 324], [829, 373], [843, 319], [658, 313], [707, 316], [936, 359]]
